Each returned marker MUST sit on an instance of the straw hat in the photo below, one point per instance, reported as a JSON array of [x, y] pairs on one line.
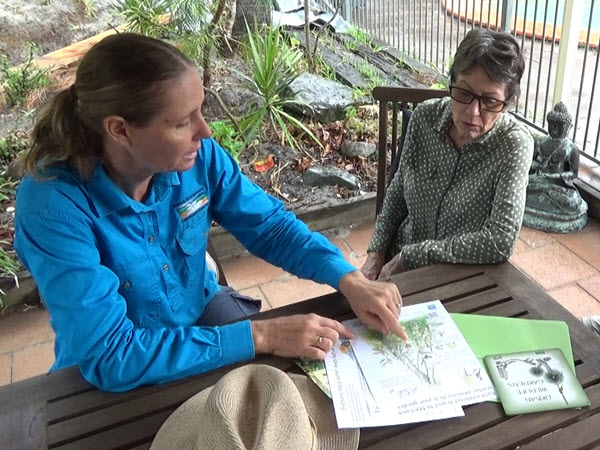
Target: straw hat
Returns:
[[256, 407]]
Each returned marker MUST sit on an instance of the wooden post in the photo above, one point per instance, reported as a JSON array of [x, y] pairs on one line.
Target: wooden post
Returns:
[[567, 50], [508, 7], [347, 10]]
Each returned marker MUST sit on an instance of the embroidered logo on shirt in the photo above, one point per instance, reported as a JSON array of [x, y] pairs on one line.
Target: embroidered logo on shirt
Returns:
[[191, 206]]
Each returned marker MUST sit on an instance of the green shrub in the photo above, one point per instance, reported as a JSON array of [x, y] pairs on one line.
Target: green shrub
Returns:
[[13, 143], [21, 80], [360, 35], [325, 70], [445, 81], [193, 46], [182, 21], [9, 265], [351, 113], [7, 188], [363, 123], [89, 8], [224, 133], [363, 37]]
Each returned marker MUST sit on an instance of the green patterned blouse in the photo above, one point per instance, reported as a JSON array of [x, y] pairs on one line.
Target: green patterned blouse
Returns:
[[455, 206]]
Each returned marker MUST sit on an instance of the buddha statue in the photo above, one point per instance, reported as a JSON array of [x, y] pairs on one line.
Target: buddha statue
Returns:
[[553, 203]]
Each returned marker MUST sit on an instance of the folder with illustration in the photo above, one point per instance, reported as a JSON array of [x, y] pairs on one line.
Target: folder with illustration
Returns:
[[503, 340], [492, 335]]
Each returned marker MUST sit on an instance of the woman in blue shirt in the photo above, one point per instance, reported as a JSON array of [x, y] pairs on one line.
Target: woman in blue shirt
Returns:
[[113, 220]]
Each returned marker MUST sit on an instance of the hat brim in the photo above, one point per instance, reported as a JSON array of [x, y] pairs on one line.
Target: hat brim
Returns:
[[321, 414], [179, 431]]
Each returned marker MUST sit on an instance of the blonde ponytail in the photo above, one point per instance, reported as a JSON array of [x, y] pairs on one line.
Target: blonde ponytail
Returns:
[[60, 137], [124, 74]]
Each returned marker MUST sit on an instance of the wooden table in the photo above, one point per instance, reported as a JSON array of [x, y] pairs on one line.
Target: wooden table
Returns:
[[61, 410]]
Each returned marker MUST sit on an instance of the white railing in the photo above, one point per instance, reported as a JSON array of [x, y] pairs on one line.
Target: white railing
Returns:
[[560, 39]]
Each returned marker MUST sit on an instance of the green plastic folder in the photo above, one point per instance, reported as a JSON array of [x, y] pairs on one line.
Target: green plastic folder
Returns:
[[490, 335]]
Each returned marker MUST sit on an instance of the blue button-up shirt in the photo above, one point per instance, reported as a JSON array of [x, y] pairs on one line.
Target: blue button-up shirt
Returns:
[[126, 281]]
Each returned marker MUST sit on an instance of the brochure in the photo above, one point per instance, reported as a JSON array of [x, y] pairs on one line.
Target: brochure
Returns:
[[535, 381], [354, 403], [436, 367], [380, 380]]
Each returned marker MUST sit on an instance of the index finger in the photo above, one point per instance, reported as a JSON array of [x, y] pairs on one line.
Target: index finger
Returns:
[[339, 327], [391, 322]]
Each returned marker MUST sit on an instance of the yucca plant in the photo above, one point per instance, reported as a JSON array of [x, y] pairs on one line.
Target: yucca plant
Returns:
[[273, 66], [145, 17]]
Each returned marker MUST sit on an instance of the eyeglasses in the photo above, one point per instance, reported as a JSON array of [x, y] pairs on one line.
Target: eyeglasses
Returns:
[[485, 103]]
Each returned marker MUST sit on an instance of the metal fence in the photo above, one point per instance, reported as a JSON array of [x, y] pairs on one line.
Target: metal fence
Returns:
[[560, 40]]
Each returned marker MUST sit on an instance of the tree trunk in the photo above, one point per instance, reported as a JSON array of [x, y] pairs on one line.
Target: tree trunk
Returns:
[[308, 52], [258, 11]]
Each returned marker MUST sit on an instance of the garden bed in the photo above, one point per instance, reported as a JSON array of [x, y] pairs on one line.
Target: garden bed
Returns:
[[269, 160]]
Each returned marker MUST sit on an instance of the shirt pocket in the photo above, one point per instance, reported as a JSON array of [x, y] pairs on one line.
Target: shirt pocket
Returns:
[[192, 235], [139, 286]]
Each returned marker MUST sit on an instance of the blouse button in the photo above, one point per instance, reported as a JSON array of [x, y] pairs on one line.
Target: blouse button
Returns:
[[152, 238], [165, 267], [126, 285]]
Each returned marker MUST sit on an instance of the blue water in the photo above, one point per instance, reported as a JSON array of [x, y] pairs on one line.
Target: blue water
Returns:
[[538, 15]]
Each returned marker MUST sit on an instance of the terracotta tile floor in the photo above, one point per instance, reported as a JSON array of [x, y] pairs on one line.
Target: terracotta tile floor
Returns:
[[567, 266]]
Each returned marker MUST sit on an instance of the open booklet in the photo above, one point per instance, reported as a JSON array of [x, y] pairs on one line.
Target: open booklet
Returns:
[[380, 380]]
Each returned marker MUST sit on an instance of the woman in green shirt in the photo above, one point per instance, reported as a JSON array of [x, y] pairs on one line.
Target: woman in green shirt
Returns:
[[459, 193]]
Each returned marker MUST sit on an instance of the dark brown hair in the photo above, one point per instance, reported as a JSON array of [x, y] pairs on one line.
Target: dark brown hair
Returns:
[[498, 54], [124, 74]]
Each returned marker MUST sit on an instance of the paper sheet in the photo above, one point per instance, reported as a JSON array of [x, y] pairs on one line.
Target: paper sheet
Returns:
[[434, 369], [354, 403]]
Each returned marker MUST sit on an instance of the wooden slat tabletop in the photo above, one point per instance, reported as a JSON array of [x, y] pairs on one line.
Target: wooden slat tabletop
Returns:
[[61, 410]]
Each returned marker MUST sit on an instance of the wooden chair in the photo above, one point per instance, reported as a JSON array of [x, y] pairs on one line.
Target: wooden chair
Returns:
[[401, 99]]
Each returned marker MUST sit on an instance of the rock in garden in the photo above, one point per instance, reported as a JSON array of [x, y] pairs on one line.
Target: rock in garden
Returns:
[[238, 100], [353, 149], [326, 99], [330, 176], [51, 25]]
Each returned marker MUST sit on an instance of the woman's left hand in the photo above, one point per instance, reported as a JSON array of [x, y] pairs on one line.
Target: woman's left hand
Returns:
[[393, 267], [375, 303]]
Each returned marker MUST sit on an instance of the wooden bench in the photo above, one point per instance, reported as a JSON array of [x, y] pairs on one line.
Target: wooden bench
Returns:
[[61, 410]]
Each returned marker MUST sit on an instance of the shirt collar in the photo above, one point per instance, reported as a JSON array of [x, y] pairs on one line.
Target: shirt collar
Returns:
[[108, 198], [443, 125]]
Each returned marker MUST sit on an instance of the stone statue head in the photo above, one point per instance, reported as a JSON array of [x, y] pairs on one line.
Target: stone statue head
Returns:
[[559, 121]]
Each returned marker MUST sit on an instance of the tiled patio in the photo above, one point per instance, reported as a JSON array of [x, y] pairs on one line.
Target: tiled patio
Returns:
[[567, 266]]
